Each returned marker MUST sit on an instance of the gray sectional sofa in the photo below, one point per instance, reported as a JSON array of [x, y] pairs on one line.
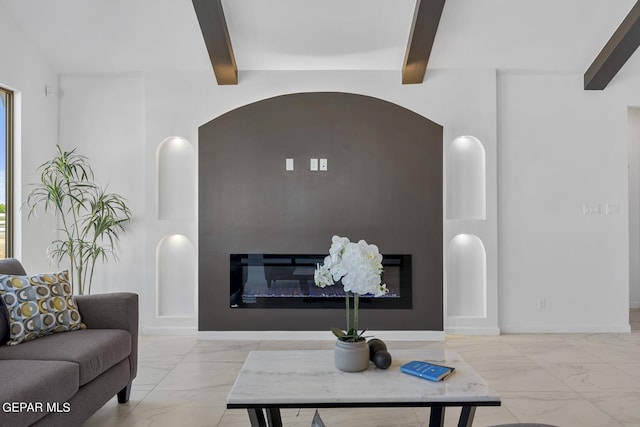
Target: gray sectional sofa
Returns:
[[63, 378]]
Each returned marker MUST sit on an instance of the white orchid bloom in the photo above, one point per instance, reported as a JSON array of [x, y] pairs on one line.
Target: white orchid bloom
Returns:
[[322, 277], [358, 265]]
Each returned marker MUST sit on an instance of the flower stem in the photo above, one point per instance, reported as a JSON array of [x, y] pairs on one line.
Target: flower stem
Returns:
[[346, 296], [355, 312]]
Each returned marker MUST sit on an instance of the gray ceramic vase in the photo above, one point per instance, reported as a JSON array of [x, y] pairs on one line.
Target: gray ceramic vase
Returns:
[[351, 356]]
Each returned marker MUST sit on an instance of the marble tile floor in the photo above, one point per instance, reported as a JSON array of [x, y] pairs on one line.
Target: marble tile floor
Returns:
[[562, 379]]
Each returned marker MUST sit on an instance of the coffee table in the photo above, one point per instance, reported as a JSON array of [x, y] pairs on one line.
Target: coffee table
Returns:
[[271, 380]]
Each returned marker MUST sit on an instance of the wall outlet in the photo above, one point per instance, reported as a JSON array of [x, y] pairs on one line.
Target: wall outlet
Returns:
[[542, 304], [591, 209], [323, 164]]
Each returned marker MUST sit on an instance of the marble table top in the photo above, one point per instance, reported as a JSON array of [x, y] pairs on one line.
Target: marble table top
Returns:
[[308, 378]]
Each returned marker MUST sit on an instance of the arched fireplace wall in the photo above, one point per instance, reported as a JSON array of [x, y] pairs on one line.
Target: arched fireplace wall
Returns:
[[383, 183]]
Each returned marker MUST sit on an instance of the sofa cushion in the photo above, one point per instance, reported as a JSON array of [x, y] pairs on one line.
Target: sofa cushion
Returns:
[[94, 350], [8, 266], [39, 382], [4, 324], [39, 305]]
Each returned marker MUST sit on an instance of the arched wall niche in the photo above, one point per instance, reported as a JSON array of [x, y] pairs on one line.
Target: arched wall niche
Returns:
[[175, 276], [175, 158], [384, 184], [466, 179], [466, 277]]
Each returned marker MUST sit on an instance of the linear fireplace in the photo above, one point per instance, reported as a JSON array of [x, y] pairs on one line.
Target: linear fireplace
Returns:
[[286, 281]]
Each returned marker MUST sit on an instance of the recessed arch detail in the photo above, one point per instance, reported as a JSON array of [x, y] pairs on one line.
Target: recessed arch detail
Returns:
[[175, 158], [466, 179], [175, 277], [466, 277]]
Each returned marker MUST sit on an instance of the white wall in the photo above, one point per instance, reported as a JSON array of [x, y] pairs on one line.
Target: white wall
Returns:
[[24, 70], [562, 147], [103, 116]]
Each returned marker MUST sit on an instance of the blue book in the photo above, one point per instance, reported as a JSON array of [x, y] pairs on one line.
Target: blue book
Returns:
[[426, 370]]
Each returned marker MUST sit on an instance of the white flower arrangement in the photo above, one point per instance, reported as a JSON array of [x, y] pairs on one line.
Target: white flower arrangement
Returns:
[[358, 266]]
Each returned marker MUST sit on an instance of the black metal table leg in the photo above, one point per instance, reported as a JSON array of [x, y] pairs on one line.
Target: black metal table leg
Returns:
[[273, 417], [256, 417], [466, 416], [436, 417]]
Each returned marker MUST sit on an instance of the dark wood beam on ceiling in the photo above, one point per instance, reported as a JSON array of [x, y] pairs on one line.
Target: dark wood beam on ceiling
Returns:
[[421, 37], [615, 53], [216, 38]]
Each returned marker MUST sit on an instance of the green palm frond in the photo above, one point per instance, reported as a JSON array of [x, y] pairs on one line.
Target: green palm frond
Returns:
[[91, 219]]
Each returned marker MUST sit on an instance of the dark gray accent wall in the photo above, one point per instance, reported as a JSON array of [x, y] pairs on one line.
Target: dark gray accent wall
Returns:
[[383, 184]]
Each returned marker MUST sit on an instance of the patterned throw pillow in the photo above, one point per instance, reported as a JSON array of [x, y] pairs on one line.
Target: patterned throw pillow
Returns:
[[39, 305]]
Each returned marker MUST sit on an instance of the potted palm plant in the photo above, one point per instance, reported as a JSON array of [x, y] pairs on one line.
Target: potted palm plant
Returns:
[[90, 219]]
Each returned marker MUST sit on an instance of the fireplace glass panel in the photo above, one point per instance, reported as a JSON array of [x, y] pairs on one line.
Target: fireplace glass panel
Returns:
[[286, 281]]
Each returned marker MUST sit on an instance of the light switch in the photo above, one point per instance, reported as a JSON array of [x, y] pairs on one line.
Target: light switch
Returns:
[[612, 208], [591, 209], [289, 164], [313, 165], [323, 164]]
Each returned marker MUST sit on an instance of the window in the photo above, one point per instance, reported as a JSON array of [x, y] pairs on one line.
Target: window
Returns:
[[6, 143]]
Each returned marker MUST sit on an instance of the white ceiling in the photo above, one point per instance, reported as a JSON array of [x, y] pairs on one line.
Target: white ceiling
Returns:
[[326, 34], [136, 35]]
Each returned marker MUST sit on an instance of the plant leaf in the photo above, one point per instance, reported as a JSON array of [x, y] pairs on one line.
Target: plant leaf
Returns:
[[339, 333]]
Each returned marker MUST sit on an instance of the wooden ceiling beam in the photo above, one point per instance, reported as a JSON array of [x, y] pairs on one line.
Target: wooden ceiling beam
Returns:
[[421, 37], [216, 37], [615, 53]]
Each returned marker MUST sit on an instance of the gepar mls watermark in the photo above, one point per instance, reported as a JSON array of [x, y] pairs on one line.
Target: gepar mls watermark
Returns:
[[48, 407]]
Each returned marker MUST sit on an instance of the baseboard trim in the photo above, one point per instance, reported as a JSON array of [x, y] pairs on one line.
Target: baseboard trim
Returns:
[[316, 335], [469, 330], [384, 335], [634, 305], [189, 331], [567, 329]]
